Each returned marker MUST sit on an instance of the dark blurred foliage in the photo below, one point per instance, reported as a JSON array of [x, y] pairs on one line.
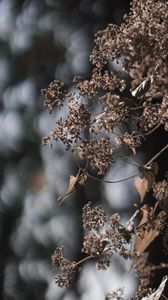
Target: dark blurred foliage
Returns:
[[42, 40]]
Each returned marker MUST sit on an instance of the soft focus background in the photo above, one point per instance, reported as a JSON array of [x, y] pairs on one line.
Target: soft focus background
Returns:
[[41, 40]]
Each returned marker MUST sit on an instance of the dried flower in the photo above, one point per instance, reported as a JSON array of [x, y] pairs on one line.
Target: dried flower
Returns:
[[68, 268], [133, 140], [54, 95], [160, 191], [163, 111], [106, 235], [99, 152], [116, 295], [143, 269], [93, 218], [68, 130], [140, 46]]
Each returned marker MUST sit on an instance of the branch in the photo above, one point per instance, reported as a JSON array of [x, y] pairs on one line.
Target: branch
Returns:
[[109, 181], [152, 130], [161, 266], [84, 259], [156, 156]]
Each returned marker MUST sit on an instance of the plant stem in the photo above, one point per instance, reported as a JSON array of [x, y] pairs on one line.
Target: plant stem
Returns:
[[161, 266], [152, 130], [136, 107], [84, 259], [156, 156], [108, 181]]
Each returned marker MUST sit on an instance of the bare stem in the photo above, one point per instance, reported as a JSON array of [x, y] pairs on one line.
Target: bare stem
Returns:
[[109, 181], [84, 259], [127, 159], [156, 156], [161, 266], [137, 107], [152, 130]]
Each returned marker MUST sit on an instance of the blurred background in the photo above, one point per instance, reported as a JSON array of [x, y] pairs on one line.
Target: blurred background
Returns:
[[42, 40]]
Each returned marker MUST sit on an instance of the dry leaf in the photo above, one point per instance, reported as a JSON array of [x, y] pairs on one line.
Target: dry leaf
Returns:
[[150, 173], [147, 214], [147, 230], [141, 185], [74, 183], [158, 293]]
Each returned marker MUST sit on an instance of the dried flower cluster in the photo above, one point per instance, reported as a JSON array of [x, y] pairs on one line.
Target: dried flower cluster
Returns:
[[143, 269], [118, 295], [132, 140], [140, 46], [54, 95], [160, 191], [99, 152], [103, 236], [68, 268], [128, 105]]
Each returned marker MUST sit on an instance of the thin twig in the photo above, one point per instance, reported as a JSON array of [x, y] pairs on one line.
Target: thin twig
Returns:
[[127, 159], [156, 156], [84, 259], [152, 130], [108, 181], [161, 266], [130, 223], [136, 108]]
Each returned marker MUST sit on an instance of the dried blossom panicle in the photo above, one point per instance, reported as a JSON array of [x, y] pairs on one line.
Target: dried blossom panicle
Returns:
[[160, 191], [143, 269], [54, 95], [104, 259], [68, 130], [103, 236], [68, 269], [57, 256], [116, 295], [93, 218], [107, 81], [77, 121], [99, 152], [94, 244], [140, 46], [150, 117], [114, 112], [163, 112], [102, 241], [118, 235], [133, 140]]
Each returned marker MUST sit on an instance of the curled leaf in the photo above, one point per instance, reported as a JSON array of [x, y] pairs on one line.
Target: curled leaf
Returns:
[[159, 292], [74, 183], [142, 88]]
